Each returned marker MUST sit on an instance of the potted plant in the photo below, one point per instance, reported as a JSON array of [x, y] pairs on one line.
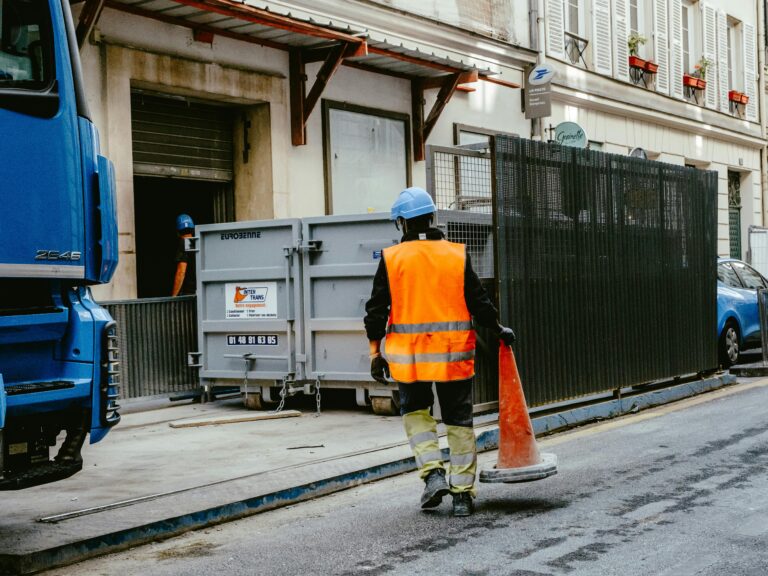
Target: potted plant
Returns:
[[698, 78], [634, 42]]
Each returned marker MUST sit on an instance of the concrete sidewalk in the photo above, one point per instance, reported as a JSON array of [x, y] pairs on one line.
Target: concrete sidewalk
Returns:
[[147, 480]]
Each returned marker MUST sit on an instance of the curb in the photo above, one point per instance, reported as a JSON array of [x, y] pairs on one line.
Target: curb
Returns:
[[756, 370], [14, 564]]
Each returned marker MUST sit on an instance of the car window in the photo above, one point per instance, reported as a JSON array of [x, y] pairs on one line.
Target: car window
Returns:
[[727, 276], [749, 277]]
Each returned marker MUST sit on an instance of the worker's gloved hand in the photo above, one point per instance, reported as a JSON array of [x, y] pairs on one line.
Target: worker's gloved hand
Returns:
[[379, 368], [507, 335]]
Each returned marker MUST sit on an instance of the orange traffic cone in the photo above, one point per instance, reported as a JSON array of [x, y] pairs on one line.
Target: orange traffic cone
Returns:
[[519, 457]]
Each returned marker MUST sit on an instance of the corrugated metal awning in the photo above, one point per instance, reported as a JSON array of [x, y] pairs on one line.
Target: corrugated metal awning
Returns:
[[276, 26]]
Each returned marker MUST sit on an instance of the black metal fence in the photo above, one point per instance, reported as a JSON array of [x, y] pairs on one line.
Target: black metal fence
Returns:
[[155, 335], [606, 267]]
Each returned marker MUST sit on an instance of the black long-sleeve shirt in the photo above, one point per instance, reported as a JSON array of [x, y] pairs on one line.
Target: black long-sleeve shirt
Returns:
[[377, 308]]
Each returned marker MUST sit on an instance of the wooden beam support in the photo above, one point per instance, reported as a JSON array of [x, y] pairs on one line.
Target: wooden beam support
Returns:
[[438, 81], [417, 118], [500, 82], [302, 103], [321, 54], [443, 97], [327, 70], [89, 15], [297, 79], [421, 127]]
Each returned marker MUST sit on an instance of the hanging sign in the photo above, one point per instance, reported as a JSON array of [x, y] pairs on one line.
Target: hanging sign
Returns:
[[538, 92], [570, 134]]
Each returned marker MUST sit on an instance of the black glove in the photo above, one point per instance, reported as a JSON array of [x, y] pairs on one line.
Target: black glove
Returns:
[[379, 368], [507, 335]]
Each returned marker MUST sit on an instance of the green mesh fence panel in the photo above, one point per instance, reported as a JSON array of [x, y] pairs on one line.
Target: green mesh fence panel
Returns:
[[606, 267]]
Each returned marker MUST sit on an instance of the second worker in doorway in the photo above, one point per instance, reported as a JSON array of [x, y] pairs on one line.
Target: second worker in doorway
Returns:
[[184, 281], [424, 298]]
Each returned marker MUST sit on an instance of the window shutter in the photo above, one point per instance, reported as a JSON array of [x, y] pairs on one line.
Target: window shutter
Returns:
[[710, 53], [750, 70], [722, 60], [661, 44], [676, 48], [601, 36], [620, 36], [555, 29]]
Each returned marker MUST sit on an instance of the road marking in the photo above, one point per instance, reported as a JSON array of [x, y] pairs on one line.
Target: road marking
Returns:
[[626, 420]]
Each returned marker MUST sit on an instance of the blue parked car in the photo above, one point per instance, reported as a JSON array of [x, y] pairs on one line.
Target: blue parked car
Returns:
[[738, 324]]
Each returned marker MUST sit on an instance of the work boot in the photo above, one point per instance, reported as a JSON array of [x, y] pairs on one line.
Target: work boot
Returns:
[[436, 487], [462, 504]]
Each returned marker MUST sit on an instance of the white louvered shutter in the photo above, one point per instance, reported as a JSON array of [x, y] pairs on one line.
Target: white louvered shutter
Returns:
[[555, 29], [676, 48], [710, 53], [601, 36], [620, 36], [750, 70], [722, 60], [661, 44]]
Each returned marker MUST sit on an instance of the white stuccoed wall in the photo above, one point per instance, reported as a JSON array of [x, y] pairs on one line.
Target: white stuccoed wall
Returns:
[[139, 52]]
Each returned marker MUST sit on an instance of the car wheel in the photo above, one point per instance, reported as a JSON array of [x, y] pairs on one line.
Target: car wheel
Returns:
[[729, 345]]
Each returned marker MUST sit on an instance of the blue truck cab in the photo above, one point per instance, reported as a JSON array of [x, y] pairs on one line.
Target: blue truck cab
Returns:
[[58, 235]]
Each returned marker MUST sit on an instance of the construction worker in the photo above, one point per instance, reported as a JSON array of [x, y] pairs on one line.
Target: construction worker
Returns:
[[184, 279], [424, 298]]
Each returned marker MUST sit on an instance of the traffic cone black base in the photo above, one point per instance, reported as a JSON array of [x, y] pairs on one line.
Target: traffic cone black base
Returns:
[[544, 469]]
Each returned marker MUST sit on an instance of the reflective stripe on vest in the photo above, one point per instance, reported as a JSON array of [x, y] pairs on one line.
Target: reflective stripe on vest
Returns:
[[430, 336]]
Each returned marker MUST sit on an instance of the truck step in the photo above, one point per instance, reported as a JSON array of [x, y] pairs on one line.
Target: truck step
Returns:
[[30, 387], [40, 474]]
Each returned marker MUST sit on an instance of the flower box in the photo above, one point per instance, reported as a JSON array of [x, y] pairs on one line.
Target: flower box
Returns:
[[738, 97], [693, 82], [637, 62], [651, 67]]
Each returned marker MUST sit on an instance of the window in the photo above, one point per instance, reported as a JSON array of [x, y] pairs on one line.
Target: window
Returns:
[[26, 55], [574, 23], [367, 158], [735, 64], [749, 277], [636, 24], [727, 276], [689, 35]]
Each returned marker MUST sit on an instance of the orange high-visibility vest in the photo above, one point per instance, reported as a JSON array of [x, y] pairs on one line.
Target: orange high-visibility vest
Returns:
[[430, 336]]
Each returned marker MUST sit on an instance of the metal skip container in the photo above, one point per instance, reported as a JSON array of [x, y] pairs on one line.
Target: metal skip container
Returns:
[[249, 306], [281, 302]]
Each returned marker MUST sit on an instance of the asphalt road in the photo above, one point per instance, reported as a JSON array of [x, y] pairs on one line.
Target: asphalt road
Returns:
[[679, 490]]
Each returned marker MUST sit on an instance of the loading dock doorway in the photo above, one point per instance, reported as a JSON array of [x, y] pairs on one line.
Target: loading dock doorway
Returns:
[[182, 164]]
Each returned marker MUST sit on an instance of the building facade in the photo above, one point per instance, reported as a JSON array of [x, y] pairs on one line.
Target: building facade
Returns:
[[291, 108], [270, 110], [670, 77]]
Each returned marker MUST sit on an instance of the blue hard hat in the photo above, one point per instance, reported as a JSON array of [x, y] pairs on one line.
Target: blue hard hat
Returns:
[[184, 222], [412, 202]]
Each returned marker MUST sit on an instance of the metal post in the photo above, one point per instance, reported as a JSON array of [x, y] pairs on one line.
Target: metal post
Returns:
[[762, 310]]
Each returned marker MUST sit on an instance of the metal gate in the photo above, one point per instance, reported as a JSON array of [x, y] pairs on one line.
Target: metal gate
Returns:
[[155, 335], [607, 267], [460, 181], [175, 136]]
